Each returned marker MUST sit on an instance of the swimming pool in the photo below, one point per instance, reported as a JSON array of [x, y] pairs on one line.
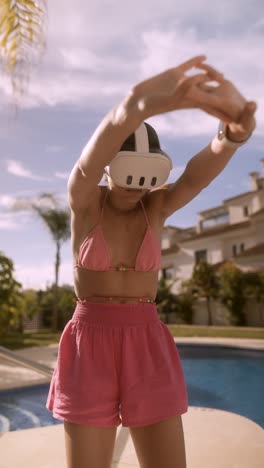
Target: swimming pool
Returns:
[[220, 377]]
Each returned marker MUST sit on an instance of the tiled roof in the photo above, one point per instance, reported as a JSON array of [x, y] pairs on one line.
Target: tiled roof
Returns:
[[217, 230], [240, 195], [218, 208], [176, 228], [169, 227]]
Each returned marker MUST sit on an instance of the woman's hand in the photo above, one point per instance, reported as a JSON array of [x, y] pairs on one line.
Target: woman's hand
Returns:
[[245, 126], [227, 96], [172, 90]]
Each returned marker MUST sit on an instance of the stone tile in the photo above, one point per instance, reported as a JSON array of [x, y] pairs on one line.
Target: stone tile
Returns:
[[213, 438]]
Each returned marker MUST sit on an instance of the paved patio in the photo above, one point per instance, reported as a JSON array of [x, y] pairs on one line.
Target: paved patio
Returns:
[[213, 438]]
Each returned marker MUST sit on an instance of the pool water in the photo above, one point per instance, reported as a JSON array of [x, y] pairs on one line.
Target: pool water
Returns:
[[225, 378]]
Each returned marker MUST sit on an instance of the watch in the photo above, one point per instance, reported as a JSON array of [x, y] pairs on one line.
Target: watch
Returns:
[[222, 140]]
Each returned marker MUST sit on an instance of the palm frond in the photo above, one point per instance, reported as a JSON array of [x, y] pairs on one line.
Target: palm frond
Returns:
[[22, 38], [55, 218], [57, 221]]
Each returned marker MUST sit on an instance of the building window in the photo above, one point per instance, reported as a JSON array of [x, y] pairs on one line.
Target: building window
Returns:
[[245, 210], [167, 273], [242, 247], [234, 250], [200, 255]]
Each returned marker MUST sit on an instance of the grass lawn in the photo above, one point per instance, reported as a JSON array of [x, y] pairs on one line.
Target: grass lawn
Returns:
[[217, 331], [26, 340], [46, 337]]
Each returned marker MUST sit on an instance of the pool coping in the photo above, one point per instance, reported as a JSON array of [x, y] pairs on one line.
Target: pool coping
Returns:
[[206, 432], [245, 343], [45, 355]]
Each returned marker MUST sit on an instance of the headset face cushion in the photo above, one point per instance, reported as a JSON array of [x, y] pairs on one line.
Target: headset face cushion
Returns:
[[139, 170]]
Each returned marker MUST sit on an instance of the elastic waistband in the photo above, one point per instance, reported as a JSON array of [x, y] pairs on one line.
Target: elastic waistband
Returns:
[[116, 314]]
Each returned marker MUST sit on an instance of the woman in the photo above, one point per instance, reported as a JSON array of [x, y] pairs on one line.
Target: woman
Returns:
[[116, 358]]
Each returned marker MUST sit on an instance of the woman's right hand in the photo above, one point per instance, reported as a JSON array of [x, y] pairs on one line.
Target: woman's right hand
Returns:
[[173, 90]]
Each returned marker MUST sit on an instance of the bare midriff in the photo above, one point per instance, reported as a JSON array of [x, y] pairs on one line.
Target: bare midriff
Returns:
[[104, 286]]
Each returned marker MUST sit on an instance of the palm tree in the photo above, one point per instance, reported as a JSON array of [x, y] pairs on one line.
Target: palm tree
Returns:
[[22, 38], [58, 222]]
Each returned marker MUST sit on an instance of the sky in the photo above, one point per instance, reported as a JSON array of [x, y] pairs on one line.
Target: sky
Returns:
[[95, 52]]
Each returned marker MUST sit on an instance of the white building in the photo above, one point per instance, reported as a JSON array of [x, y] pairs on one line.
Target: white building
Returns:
[[232, 231]]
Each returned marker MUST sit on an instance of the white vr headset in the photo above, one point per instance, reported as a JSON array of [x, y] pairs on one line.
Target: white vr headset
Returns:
[[140, 163]]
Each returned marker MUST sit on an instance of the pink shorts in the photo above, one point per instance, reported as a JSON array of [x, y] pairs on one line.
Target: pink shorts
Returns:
[[117, 363]]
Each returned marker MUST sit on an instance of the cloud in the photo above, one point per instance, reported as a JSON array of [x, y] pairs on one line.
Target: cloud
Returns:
[[7, 201], [54, 148], [19, 219], [16, 168], [41, 274], [14, 221], [79, 58], [184, 123], [87, 69], [62, 175], [8, 223]]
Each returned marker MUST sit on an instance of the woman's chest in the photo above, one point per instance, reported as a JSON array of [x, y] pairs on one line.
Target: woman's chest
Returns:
[[122, 236]]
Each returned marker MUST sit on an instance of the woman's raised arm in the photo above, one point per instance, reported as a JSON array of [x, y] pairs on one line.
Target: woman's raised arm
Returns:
[[165, 92]]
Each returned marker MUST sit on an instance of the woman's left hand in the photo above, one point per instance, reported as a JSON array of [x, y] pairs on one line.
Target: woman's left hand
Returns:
[[226, 93], [241, 130]]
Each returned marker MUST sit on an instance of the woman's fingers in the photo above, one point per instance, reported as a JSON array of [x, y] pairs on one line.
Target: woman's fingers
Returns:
[[175, 89], [202, 95], [191, 63], [197, 95], [248, 111], [200, 80], [225, 97], [186, 83], [211, 71], [209, 97], [246, 122], [207, 88]]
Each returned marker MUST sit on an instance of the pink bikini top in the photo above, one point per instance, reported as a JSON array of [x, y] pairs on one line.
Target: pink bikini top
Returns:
[[94, 254]]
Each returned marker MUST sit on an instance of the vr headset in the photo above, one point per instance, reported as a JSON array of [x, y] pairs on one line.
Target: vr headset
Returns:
[[140, 163]]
